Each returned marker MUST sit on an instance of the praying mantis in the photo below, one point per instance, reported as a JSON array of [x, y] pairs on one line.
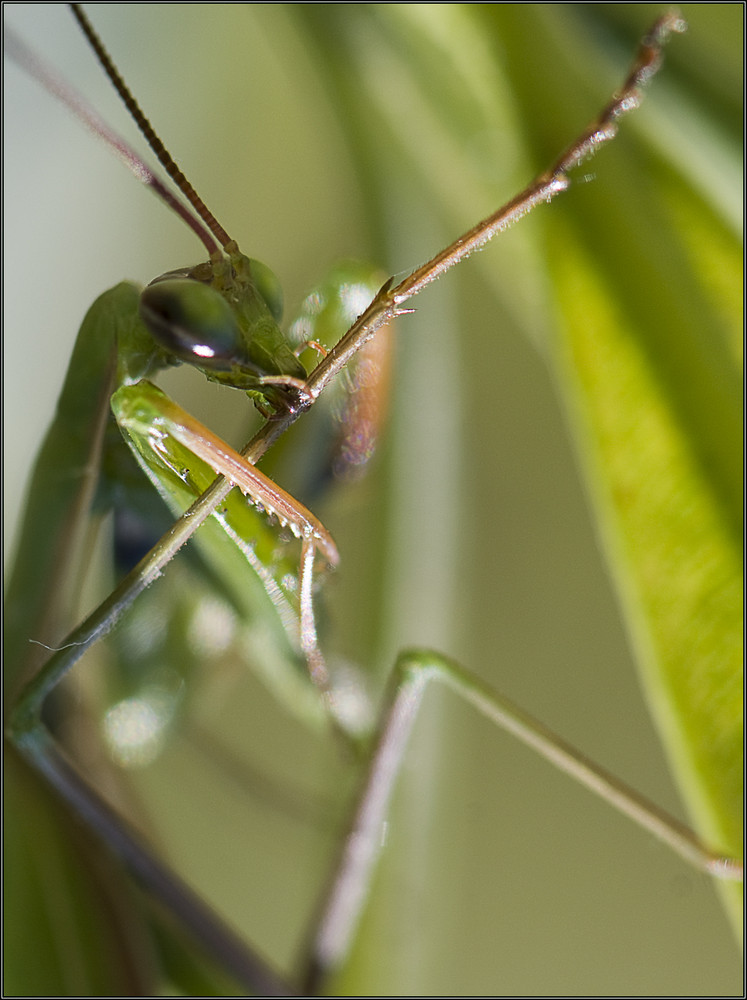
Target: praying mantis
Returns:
[[414, 960]]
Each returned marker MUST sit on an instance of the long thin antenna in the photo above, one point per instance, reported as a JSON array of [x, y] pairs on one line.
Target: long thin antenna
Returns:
[[77, 105], [164, 157]]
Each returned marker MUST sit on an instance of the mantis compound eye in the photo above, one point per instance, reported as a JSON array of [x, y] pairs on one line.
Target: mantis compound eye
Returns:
[[193, 322]]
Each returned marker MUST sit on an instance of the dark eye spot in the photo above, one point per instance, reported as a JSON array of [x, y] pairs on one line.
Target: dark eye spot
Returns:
[[193, 322]]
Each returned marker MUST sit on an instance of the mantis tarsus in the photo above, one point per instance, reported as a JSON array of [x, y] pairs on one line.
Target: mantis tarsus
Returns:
[[418, 251]]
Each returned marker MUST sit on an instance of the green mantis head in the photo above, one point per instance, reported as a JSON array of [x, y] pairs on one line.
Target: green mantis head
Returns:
[[222, 317]]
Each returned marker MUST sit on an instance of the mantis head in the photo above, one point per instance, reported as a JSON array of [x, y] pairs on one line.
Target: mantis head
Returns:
[[222, 317]]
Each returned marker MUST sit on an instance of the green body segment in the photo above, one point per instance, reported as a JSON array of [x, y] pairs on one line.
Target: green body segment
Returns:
[[66, 480]]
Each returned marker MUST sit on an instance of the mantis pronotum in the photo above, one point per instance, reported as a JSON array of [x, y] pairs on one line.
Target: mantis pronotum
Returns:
[[418, 251]]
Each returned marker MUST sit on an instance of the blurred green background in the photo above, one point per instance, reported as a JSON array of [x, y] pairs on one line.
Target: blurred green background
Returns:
[[473, 534]]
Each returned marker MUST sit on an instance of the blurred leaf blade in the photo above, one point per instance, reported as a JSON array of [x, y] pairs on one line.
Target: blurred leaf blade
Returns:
[[673, 550], [654, 387]]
